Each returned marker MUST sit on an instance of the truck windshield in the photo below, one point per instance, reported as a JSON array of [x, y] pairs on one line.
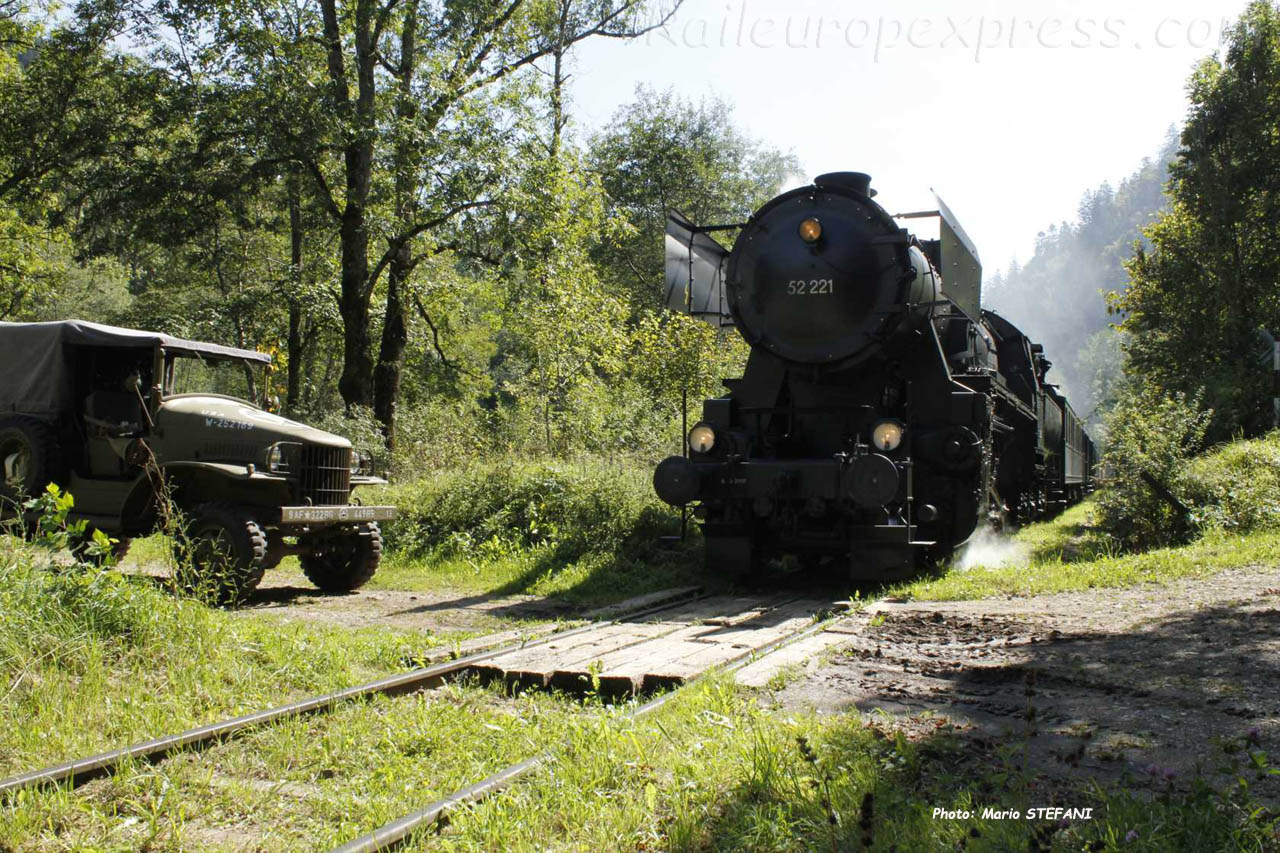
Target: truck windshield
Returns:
[[232, 377]]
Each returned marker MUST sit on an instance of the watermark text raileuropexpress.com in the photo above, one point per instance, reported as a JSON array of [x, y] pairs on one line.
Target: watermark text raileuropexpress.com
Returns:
[[743, 26]]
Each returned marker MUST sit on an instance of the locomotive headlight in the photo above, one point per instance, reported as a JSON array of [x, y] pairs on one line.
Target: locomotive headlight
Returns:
[[702, 438], [887, 435], [810, 230]]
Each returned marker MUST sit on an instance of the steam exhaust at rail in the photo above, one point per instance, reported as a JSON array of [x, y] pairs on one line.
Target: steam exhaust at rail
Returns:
[[993, 550]]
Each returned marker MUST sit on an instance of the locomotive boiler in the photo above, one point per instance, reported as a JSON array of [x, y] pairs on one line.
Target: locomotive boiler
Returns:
[[882, 414]]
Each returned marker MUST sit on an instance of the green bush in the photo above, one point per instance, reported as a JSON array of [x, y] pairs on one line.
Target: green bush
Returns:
[[1153, 435], [1234, 486], [359, 427], [571, 509], [1237, 486]]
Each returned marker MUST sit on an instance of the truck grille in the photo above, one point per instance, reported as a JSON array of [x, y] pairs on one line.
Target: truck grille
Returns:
[[325, 474]]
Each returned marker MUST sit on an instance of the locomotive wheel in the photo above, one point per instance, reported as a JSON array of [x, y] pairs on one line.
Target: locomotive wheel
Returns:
[[221, 554], [343, 561], [28, 458]]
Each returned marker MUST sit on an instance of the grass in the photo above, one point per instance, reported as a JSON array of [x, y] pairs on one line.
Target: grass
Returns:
[[95, 659], [305, 784], [91, 660], [715, 770], [584, 533], [1069, 553]]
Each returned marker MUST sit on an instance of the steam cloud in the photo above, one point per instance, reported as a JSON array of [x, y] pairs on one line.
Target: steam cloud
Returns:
[[991, 549]]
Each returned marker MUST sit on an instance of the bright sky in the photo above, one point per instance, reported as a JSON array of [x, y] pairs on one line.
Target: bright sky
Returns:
[[1009, 110]]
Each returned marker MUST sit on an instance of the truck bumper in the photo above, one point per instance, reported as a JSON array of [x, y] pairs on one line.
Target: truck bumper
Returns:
[[353, 513]]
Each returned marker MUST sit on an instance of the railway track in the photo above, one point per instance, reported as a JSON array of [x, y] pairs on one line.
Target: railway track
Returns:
[[662, 641], [395, 833]]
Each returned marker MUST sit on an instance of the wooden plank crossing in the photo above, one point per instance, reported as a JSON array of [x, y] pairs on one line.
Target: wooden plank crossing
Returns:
[[664, 650], [760, 672]]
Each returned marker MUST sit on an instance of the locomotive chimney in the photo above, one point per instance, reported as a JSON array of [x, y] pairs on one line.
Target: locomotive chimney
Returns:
[[859, 182]]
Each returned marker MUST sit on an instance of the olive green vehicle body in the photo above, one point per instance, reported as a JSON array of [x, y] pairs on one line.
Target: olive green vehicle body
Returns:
[[213, 448], [97, 410]]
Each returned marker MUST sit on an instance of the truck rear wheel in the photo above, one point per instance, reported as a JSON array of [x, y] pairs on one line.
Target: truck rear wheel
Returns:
[[221, 554], [343, 561], [28, 458]]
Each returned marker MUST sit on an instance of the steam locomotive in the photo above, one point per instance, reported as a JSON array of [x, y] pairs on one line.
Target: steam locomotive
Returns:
[[883, 415]]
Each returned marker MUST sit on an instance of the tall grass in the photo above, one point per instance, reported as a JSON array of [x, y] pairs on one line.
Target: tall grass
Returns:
[[586, 530], [717, 771], [1236, 487], [90, 658]]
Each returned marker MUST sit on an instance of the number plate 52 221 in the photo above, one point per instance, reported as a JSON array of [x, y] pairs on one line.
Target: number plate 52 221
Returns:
[[810, 287]]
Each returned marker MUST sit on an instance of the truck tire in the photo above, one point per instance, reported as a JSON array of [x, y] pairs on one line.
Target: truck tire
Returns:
[[29, 458], [345, 561], [221, 554]]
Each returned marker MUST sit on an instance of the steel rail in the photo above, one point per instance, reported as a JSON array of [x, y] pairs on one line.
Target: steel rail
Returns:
[[81, 770], [391, 835]]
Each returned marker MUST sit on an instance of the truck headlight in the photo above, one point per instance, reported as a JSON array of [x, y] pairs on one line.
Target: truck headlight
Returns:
[[276, 461], [887, 435], [361, 462], [702, 438]]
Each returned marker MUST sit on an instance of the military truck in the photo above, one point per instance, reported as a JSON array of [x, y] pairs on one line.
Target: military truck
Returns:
[[148, 431]]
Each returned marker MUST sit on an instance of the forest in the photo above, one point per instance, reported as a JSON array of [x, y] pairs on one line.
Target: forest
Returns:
[[394, 201], [397, 203]]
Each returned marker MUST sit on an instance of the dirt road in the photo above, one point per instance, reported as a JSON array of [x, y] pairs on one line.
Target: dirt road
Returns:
[[1150, 682]]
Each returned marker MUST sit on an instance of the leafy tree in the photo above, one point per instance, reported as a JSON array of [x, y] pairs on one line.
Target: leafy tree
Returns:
[[1151, 437], [1199, 294], [66, 102], [664, 152], [413, 112]]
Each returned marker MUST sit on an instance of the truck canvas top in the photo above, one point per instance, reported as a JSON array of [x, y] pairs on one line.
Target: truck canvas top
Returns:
[[35, 378]]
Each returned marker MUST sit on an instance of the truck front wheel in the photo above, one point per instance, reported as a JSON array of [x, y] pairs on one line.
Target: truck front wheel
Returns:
[[343, 560], [221, 553]]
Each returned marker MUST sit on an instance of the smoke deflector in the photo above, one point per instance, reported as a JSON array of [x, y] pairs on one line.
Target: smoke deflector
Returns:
[[961, 268], [695, 269]]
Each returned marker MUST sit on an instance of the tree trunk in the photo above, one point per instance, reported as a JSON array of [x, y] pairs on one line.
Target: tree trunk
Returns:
[[395, 327], [295, 351], [395, 336], [356, 382], [558, 80]]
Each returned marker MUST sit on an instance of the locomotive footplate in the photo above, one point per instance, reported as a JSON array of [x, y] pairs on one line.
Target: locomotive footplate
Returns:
[[870, 481]]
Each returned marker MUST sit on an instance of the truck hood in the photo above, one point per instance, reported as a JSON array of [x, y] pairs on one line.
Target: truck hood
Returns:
[[210, 419]]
